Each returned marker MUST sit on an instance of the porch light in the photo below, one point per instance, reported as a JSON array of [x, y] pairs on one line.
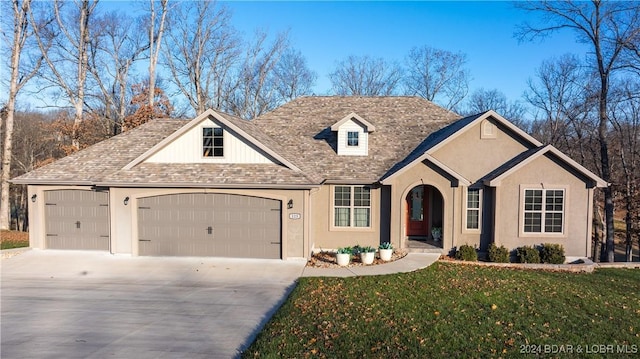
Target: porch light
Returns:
[[290, 204], [33, 198], [126, 200]]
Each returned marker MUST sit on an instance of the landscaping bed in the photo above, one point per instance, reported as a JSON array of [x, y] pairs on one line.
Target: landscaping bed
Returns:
[[327, 259]]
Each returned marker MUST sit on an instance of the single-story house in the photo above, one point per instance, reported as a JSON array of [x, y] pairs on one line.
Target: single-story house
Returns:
[[315, 173]]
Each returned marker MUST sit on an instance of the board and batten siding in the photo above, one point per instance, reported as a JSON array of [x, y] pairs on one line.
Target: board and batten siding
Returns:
[[363, 140], [188, 149]]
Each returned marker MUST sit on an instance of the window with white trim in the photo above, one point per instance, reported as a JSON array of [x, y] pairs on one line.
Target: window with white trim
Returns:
[[473, 209], [352, 206], [543, 210], [352, 139], [212, 142]]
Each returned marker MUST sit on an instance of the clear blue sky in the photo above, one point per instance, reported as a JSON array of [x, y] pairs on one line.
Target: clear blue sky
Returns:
[[326, 32], [329, 31]]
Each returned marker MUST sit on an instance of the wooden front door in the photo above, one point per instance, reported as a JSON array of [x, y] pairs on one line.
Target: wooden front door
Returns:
[[417, 216]]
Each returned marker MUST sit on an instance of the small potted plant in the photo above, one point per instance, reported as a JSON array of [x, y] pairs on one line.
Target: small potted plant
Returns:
[[386, 250], [343, 256], [436, 233], [367, 254]]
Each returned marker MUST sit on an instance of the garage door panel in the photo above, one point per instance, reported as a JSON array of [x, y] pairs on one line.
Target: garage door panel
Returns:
[[77, 219], [210, 224]]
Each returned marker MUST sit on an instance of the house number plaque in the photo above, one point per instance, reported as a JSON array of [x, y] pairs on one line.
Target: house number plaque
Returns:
[[295, 216]]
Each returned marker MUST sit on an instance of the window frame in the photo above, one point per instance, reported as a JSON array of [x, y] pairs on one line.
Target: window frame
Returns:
[[353, 208], [543, 211], [349, 138], [468, 209], [212, 148]]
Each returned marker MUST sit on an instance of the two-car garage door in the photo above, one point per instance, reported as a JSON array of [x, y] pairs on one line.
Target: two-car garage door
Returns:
[[209, 224]]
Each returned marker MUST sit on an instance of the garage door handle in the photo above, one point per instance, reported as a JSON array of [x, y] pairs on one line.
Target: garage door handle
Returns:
[[144, 240], [275, 242], [209, 230], [78, 224]]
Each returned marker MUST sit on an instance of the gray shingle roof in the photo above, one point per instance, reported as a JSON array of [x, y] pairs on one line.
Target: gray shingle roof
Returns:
[[298, 132], [302, 127], [93, 163]]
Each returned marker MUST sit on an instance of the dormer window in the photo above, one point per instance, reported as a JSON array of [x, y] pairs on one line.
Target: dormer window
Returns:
[[352, 139], [352, 133], [212, 142]]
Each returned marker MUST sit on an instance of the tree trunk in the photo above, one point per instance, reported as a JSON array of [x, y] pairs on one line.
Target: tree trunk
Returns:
[[20, 22]]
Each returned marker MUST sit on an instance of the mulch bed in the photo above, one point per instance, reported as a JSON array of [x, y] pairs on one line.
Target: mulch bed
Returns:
[[327, 259]]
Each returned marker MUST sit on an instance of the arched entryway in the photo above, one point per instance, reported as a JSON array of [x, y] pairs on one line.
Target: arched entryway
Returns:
[[424, 213]]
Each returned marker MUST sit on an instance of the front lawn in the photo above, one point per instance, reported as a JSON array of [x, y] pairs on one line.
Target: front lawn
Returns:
[[13, 239], [450, 310]]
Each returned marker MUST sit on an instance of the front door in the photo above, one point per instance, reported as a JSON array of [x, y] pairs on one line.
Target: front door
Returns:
[[417, 218]]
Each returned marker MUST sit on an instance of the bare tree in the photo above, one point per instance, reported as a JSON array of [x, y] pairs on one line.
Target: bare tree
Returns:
[[155, 29], [201, 50], [20, 75], [561, 96], [437, 75], [625, 118], [117, 43], [68, 56], [483, 100], [292, 77], [365, 76], [253, 92], [610, 28]]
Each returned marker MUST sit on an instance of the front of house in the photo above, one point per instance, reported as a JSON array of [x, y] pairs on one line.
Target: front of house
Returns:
[[316, 173]]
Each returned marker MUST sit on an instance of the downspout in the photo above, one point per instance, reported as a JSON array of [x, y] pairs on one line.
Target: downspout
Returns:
[[309, 242]]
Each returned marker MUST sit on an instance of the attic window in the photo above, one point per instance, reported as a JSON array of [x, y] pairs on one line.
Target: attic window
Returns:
[[212, 142], [488, 130], [352, 139]]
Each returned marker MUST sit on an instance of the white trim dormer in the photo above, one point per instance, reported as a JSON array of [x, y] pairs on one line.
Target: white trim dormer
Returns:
[[353, 135]]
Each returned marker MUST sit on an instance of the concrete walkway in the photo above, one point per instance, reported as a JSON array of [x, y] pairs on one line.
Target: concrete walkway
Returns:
[[411, 262]]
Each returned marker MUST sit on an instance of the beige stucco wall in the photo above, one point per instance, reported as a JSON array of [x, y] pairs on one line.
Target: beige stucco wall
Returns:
[[544, 173], [123, 218], [473, 157], [325, 236]]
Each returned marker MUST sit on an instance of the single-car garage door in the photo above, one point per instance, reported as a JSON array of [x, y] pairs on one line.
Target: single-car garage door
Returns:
[[209, 224], [76, 219]]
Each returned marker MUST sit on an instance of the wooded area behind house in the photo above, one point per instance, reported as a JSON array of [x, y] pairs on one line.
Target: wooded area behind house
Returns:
[[102, 73]]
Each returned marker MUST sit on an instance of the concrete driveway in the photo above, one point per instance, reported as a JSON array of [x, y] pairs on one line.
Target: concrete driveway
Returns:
[[66, 304]]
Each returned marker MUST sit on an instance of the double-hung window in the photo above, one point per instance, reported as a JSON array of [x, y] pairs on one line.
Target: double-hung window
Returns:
[[473, 209], [352, 206], [543, 210], [352, 139], [212, 142]]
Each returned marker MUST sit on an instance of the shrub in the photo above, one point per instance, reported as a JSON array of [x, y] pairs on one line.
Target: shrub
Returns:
[[467, 253], [367, 249], [552, 253], [498, 254], [528, 254], [385, 245], [345, 250]]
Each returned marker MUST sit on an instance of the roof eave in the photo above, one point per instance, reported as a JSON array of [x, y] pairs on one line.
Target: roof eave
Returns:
[[206, 185]]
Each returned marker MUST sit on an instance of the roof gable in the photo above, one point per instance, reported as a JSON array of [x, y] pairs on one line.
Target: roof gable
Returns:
[[257, 151], [495, 178], [469, 122], [366, 125], [439, 139]]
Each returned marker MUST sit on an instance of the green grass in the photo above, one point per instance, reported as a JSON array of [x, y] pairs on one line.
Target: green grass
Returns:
[[13, 239], [450, 310]]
